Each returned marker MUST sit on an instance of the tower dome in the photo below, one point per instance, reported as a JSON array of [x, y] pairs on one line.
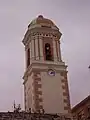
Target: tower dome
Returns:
[[41, 21]]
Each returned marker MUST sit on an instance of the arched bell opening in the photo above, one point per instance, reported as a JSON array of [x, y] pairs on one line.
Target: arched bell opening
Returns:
[[48, 52]]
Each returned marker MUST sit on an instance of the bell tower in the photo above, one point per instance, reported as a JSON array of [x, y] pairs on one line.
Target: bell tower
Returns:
[[45, 77]]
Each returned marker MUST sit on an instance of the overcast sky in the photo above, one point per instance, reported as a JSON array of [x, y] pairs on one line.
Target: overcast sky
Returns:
[[73, 19]]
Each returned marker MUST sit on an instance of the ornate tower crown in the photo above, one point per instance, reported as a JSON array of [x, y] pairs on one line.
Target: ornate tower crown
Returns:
[[40, 20], [42, 37]]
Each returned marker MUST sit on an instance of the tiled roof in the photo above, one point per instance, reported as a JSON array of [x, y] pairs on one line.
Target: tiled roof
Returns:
[[81, 103]]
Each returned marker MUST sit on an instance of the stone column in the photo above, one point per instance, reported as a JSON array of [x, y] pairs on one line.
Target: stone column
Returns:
[[36, 48], [54, 50], [59, 51], [41, 48], [32, 49], [26, 58]]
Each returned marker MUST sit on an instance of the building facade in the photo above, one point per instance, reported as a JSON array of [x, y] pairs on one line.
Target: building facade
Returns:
[[82, 110], [45, 77], [30, 116]]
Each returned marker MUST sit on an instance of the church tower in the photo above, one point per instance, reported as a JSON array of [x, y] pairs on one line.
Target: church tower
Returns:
[[45, 77]]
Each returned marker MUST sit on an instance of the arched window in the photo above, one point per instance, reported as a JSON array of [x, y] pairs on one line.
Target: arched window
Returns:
[[48, 54]]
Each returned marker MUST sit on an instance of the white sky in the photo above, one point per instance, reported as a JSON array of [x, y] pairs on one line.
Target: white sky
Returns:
[[73, 19]]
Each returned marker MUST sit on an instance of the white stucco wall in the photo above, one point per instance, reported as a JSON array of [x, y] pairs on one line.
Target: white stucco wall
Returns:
[[52, 93]]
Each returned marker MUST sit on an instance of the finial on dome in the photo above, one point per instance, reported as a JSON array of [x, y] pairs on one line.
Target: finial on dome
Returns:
[[40, 16]]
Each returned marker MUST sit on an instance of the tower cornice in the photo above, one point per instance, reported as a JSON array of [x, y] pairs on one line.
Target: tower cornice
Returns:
[[41, 32], [38, 66]]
